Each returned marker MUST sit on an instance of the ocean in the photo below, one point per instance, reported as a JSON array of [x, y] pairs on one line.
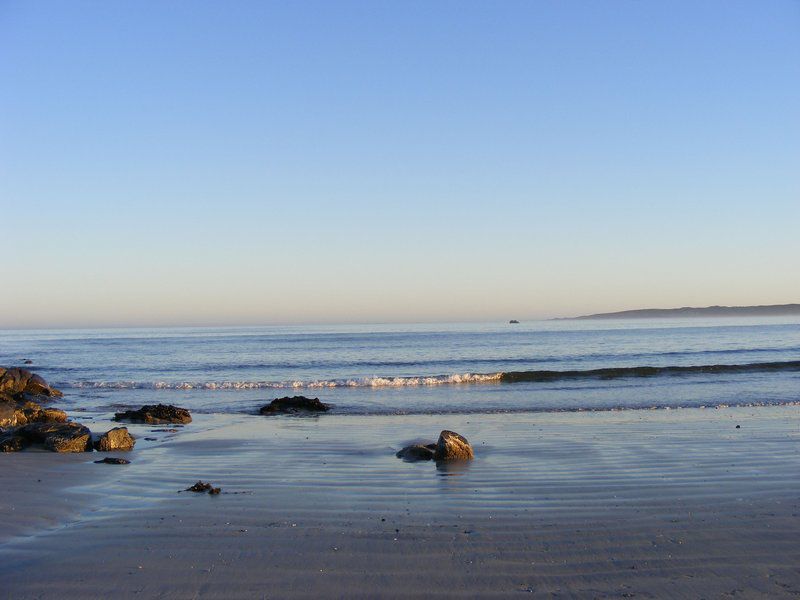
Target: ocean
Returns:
[[460, 368]]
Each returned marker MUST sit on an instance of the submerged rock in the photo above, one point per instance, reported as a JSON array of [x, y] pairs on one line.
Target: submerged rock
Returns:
[[112, 460], [115, 439], [417, 452], [453, 446], [156, 414], [293, 405]]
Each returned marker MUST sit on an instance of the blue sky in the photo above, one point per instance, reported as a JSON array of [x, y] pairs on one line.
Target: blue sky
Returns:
[[271, 162]]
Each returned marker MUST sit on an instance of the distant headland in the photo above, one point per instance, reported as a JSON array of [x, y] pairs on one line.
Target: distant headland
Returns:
[[772, 310]]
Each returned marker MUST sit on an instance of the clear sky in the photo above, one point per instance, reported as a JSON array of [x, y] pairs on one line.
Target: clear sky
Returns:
[[271, 162]]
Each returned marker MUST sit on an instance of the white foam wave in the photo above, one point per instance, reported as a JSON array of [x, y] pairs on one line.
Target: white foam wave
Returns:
[[375, 382]]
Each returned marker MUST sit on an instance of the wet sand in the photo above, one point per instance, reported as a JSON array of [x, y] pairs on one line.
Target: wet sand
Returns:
[[645, 504]]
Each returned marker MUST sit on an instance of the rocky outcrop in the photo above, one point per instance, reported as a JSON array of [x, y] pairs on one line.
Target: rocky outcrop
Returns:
[[58, 437], [20, 394], [115, 439], [17, 382], [294, 405], [156, 414], [16, 413], [450, 447]]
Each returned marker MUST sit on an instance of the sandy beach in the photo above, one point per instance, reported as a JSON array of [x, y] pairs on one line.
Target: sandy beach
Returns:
[[647, 504]]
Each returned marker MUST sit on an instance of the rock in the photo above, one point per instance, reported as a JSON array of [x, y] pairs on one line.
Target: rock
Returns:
[[293, 405], [75, 439], [115, 439], [27, 361], [8, 414], [15, 413], [417, 452], [58, 437], [514, 322], [110, 460], [452, 446], [16, 382], [200, 486], [214, 491], [10, 441], [156, 414]]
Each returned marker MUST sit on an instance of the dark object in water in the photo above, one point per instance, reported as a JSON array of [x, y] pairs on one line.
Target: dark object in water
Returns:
[[27, 361], [156, 414], [514, 322], [110, 460], [417, 452], [293, 405], [617, 372], [450, 446], [200, 486], [738, 427]]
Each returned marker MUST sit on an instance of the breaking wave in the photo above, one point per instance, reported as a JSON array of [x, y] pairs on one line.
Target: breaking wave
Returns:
[[452, 379]]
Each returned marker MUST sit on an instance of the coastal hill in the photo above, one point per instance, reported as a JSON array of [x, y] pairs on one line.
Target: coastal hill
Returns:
[[773, 310]]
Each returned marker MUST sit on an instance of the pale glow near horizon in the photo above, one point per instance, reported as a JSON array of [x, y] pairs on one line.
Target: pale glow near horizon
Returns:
[[312, 163]]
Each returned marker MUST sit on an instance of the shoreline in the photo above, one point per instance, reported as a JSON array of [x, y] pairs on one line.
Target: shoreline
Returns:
[[555, 503]]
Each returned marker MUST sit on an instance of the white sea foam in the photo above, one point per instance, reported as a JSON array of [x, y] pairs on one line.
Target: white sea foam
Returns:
[[375, 382]]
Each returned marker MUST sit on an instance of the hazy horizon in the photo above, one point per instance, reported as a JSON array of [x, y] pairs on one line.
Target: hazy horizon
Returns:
[[354, 162]]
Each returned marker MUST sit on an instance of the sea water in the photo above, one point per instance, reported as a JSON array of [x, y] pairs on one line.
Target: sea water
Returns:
[[423, 368]]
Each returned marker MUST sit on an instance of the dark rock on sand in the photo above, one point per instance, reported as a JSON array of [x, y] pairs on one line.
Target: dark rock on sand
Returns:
[[11, 441], [115, 439], [452, 446], [58, 437], [156, 414], [293, 405], [110, 460], [417, 452]]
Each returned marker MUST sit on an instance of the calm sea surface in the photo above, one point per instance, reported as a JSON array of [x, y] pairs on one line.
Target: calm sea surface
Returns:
[[430, 368]]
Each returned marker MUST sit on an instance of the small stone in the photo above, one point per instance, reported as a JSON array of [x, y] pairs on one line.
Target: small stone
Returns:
[[110, 460]]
